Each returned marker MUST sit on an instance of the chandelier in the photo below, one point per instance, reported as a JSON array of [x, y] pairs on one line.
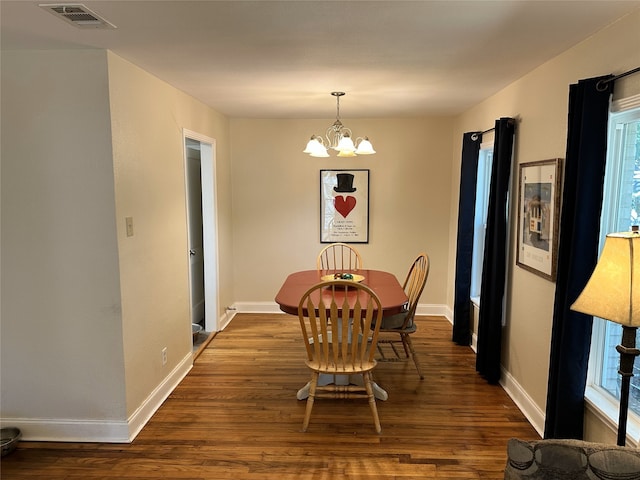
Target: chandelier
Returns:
[[338, 138]]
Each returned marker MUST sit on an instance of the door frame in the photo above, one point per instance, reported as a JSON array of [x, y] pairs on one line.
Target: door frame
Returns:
[[209, 224]]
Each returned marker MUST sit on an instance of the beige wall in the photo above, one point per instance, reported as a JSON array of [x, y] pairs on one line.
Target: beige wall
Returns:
[[276, 199], [87, 140], [539, 102], [148, 118], [62, 352]]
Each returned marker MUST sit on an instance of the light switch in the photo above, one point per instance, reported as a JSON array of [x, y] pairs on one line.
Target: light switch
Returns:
[[129, 222]]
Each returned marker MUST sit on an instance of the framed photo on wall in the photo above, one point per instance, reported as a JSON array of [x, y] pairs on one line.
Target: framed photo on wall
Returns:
[[538, 216], [344, 206]]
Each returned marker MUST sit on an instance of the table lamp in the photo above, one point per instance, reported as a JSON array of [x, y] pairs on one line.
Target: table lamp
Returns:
[[613, 293]]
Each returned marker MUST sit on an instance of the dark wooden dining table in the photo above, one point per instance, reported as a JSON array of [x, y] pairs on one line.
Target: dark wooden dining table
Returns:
[[384, 284]]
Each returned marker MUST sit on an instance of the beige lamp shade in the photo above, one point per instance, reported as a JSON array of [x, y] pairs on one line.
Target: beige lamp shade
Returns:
[[613, 291]]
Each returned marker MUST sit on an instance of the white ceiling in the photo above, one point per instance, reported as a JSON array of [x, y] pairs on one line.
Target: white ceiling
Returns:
[[281, 59]]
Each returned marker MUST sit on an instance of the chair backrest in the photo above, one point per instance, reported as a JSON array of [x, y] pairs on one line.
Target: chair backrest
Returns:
[[414, 284], [340, 321], [339, 256]]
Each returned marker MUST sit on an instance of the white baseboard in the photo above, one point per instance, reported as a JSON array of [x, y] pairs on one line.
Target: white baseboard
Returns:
[[434, 310], [256, 307], [104, 431], [226, 318], [523, 401], [153, 402], [70, 430]]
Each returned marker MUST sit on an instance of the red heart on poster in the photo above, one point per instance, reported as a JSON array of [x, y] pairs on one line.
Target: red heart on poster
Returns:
[[344, 205]]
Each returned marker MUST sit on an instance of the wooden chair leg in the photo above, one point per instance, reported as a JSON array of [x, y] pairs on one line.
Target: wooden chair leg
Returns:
[[310, 400], [405, 345], [406, 339], [372, 400]]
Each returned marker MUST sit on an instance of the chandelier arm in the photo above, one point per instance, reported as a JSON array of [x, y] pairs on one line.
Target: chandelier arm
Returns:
[[335, 133]]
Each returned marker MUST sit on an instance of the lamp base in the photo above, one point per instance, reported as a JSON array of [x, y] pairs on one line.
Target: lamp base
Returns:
[[628, 353]]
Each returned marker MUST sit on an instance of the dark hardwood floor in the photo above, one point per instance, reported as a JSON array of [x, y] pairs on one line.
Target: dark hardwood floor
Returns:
[[235, 416]]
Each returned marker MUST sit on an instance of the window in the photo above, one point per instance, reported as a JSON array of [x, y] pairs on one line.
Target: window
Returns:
[[485, 160], [620, 210]]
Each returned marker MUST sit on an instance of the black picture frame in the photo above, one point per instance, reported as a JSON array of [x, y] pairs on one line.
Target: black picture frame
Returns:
[[344, 206]]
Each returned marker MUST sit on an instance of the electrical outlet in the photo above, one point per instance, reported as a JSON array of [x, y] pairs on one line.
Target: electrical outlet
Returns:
[[164, 356], [129, 224]]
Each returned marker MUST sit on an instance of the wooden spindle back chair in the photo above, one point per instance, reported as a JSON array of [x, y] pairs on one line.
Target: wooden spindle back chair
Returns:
[[340, 321], [339, 256], [398, 328]]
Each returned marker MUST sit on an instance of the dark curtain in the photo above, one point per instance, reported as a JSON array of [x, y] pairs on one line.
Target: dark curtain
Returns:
[[464, 251], [494, 265], [577, 255]]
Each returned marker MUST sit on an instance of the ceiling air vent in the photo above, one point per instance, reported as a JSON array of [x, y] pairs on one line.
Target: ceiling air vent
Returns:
[[78, 15]]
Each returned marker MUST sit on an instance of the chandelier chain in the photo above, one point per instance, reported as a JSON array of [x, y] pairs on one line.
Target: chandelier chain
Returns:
[[337, 95]]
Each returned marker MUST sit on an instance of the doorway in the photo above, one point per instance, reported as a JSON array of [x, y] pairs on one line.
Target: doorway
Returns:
[[199, 160]]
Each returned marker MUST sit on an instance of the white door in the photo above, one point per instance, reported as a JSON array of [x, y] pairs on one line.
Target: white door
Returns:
[[202, 228]]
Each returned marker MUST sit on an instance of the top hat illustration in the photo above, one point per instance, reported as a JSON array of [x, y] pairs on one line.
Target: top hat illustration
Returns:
[[345, 183]]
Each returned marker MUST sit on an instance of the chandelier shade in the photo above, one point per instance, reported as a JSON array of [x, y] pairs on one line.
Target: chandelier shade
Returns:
[[316, 148], [338, 138]]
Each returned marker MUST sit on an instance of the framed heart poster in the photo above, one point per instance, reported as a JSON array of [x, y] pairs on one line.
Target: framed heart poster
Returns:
[[344, 206]]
